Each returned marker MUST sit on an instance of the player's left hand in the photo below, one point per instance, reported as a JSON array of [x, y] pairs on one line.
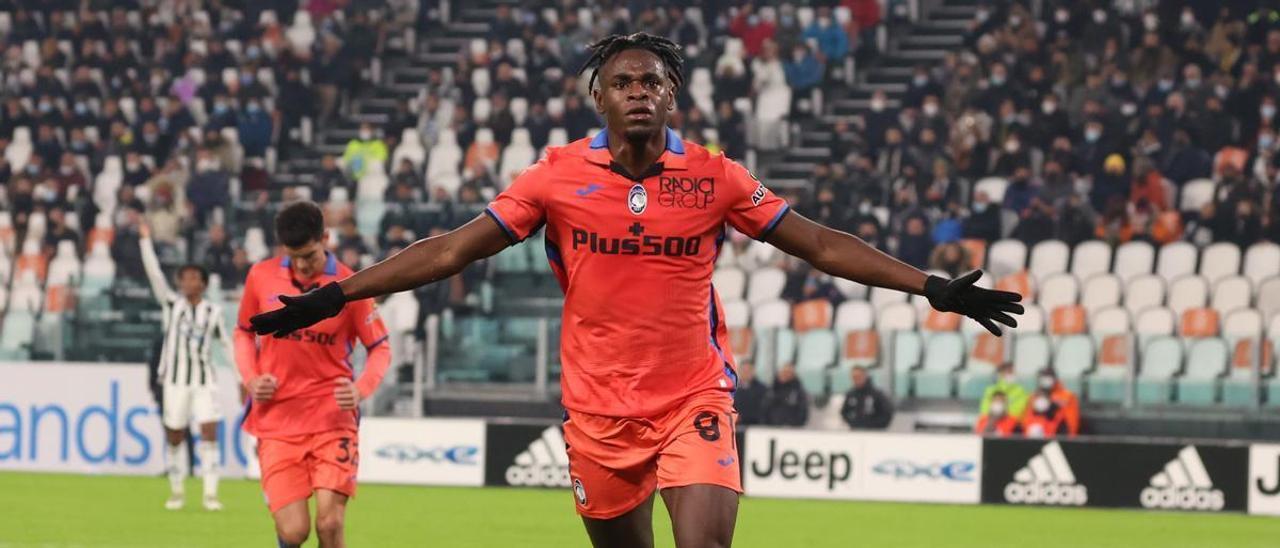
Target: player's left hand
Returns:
[[347, 394], [986, 306], [301, 311]]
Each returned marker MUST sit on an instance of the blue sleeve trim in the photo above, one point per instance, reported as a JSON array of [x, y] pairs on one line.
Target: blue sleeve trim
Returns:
[[510, 235], [768, 229], [374, 344]]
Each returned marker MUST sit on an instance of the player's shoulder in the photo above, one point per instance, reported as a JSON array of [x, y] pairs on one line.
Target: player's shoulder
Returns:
[[265, 267], [702, 158], [571, 153]]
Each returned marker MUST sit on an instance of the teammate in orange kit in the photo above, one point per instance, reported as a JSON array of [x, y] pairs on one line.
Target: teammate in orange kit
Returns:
[[304, 407], [634, 221]]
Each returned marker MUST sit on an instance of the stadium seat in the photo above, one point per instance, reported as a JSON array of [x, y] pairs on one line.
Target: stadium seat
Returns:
[[1262, 261], [6, 268], [1142, 292], [1269, 298], [737, 314], [443, 163], [516, 156], [1176, 260], [1089, 258], [8, 237], [977, 252], [985, 353], [1072, 358], [410, 148], [742, 342], [519, 105], [302, 34], [906, 351], [1100, 291], [19, 150], [765, 284], [482, 155], [18, 333], [1195, 194], [896, 317], [1031, 320], [255, 244], [99, 271], [1058, 290], [994, 187], [372, 186], [850, 289], [700, 89], [1019, 282], [64, 269], [1199, 322], [1161, 360], [107, 183], [1207, 361], [558, 137], [1006, 257], [1047, 258], [1154, 321], [1242, 331], [859, 348], [481, 80], [1109, 321], [854, 316], [1231, 293], [1068, 319], [513, 260], [1220, 260], [771, 314], [935, 321], [811, 314], [943, 354], [1134, 259], [31, 260], [729, 283], [881, 297], [815, 354], [1188, 292]]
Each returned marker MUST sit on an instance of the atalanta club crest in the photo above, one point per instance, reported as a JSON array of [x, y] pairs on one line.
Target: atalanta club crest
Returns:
[[637, 199], [579, 491]]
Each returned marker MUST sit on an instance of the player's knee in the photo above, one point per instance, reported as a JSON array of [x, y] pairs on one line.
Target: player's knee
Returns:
[[328, 525], [292, 534], [175, 437]]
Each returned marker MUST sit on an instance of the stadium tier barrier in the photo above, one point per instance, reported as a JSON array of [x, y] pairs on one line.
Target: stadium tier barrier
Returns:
[[107, 423]]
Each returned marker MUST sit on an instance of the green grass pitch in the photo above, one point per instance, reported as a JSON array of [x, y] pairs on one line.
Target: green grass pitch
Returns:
[[48, 510]]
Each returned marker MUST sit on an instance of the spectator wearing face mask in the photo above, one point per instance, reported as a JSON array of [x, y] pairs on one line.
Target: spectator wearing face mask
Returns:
[[866, 407], [255, 128], [749, 396], [365, 149], [787, 403], [1043, 418], [1006, 385], [996, 418], [983, 222], [1047, 382]]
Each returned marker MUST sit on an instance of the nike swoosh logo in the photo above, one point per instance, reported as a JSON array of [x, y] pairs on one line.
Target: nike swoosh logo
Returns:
[[725, 461], [589, 189]]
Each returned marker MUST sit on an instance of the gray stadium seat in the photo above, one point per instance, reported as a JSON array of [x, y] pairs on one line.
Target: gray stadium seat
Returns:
[[1161, 360], [1206, 362]]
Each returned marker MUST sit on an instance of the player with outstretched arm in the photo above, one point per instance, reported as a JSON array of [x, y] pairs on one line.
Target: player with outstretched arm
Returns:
[[304, 394], [634, 220]]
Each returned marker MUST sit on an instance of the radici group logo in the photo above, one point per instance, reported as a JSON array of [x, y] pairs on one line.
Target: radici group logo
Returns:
[[1046, 479], [1183, 484]]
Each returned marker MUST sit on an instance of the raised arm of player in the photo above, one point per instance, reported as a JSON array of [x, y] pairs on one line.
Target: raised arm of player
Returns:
[[373, 335], [846, 256], [151, 264], [758, 212]]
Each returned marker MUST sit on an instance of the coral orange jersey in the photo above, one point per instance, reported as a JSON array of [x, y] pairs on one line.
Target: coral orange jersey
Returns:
[[307, 363], [642, 327]]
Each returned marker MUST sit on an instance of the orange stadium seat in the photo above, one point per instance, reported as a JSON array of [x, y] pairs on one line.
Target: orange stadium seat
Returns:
[[941, 321], [1115, 351], [1067, 320], [1243, 356], [977, 252], [988, 348], [811, 314], [1199, 322], [1018, 282], [742, 341], [861, 347]]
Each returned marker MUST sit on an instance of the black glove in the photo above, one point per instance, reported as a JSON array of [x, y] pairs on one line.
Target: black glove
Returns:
[[300, 311], [983, 305]]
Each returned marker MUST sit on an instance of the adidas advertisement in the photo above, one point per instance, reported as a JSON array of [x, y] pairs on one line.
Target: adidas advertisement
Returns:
[[1158, 476], [526, 455]]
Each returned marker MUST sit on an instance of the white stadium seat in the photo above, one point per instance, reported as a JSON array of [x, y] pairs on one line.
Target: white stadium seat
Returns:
[[1006, 257], [855, 316], [1134, 259], [729, 283], [516, 157], [1219, 261], [1188, 292], [1231, 293], [1143, 292], [1195, 194], [765, 285], [994, 187], [1047, 258], [1058, 290], [443, 163], [1089, 258], [1176, 259], [1101, 291], [1262, 261]]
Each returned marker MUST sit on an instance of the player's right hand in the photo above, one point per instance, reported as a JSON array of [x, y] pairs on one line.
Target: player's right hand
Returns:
[[300, 311], [263, 388], [986, 306]]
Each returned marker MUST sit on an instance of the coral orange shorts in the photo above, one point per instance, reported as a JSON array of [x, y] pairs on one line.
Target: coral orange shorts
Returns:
[[294, 466], [616, 463]]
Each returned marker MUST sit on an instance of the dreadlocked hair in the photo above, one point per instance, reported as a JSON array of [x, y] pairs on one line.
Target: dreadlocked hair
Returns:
[[606, 48]]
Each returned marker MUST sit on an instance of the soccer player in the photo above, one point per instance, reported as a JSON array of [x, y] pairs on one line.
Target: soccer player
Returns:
[[634, 220], [189, 391], [304, 395]]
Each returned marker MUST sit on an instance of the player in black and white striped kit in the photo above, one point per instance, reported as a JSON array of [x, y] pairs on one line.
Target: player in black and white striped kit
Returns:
[[192, 325]]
